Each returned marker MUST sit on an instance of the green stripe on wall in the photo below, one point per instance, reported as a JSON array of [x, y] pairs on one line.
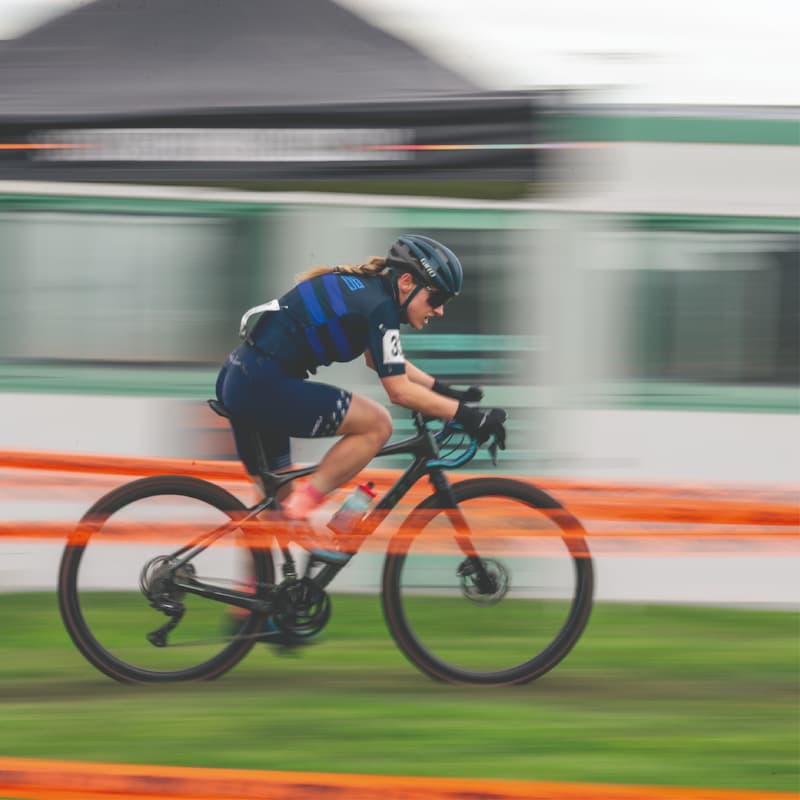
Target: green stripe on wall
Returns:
[[465, 342], [198, 383], [166, 381], [131, 205], [701, 222], [612, 128], [696, 397]]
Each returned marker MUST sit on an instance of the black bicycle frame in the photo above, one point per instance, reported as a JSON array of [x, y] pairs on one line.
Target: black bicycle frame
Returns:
[[424, 447]]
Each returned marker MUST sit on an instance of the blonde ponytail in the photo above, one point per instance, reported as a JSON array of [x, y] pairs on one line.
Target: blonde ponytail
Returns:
[[373, 267]]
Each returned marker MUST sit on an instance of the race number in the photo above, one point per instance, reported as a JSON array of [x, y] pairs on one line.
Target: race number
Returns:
[[392, 349]]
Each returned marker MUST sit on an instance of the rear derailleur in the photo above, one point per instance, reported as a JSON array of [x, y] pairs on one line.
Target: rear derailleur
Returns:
[[157, 583]]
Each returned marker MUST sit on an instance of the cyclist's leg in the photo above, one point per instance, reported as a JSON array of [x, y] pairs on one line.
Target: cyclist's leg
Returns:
[[263, 397], [365, 429]]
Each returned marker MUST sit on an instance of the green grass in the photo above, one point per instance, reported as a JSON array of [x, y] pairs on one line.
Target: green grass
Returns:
[[653, 695]]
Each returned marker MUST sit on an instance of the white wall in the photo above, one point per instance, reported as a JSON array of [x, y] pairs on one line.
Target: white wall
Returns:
[[751, 449]]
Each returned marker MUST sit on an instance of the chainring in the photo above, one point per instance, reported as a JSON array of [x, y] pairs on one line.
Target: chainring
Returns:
[[301, 608]]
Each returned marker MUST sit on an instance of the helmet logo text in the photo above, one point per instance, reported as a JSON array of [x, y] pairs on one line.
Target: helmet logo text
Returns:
[[428, 268]]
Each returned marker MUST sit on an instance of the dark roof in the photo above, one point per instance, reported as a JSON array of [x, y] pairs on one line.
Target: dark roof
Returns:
[[116, 57]]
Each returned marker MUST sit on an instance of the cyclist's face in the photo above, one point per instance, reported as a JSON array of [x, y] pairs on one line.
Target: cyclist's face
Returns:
[[425, 306], [436, 297]]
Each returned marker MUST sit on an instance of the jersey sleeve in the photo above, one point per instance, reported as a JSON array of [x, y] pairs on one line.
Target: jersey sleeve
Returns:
[[384, 341]]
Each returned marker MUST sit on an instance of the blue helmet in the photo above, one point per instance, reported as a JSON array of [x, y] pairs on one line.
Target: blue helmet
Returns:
[[429, 261]]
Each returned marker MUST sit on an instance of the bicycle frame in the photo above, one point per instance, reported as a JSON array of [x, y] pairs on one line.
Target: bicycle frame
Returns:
[[425, 449]]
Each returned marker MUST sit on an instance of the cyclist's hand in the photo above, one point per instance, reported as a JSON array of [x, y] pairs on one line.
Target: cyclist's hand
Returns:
[[483, 423], [474, 394]]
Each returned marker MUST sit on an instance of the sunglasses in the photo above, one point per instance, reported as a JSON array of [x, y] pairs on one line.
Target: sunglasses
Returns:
[[436, 297]]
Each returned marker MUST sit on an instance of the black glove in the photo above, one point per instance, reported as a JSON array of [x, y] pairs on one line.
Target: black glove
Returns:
[[472, 395], [483, 423]]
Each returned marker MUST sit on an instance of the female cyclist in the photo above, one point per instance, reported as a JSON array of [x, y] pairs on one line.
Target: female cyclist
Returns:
[[336, 314]]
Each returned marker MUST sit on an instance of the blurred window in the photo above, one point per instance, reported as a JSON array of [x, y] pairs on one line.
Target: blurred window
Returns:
[[125, 288], [719, 308]]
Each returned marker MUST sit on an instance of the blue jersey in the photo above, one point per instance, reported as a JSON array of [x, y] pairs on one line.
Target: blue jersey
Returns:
[[334, 317]]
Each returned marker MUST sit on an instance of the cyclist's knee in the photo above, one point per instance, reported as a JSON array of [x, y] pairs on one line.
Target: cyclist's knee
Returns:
[[378, 424], [367, 418], [383, 425]]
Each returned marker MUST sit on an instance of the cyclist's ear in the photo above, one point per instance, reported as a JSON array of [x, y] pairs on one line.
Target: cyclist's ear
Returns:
[[406, 281]]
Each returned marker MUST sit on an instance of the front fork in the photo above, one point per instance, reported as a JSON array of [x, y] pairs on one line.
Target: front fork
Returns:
[[472, 567]]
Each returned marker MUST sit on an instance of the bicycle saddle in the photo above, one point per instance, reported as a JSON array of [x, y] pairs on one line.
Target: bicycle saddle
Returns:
[[219, 408]]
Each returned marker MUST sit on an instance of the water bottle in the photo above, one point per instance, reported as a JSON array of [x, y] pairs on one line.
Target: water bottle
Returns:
[[346, 519]]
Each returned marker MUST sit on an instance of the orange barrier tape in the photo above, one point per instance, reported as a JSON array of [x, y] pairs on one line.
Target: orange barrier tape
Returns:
[[121, 465], [59, 780], [684, 504], [732, 512], [233, 471], [16, 485], [512, 539]]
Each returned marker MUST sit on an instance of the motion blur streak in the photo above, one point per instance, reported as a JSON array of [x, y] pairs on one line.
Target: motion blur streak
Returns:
[[620, 519], [56, 780], [637, 542]]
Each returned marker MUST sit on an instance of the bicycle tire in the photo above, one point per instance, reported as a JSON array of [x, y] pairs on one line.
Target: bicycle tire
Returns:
[[131, 497], [408, 604]]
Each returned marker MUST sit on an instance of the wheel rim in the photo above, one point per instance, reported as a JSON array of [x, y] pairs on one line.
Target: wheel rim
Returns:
[[517, 625], [110, 615]]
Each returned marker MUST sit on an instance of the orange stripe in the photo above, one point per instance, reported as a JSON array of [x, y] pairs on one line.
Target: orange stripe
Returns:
[[29, 146], [120, 465], [538, 543], [684, 505], [63, 780], [232, 470]]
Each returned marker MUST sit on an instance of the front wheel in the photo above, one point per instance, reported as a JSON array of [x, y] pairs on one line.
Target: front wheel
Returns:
[[496, 591], [119, 586]]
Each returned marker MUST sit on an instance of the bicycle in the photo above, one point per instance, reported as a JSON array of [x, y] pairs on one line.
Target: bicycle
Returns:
[[448, 595]]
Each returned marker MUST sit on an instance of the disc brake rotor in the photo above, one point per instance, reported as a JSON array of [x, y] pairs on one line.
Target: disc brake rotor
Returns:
[[487, 587]]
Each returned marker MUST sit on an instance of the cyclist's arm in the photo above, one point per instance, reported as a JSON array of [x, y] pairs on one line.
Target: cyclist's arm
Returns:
[[415, 374], [418, 376], [405, 384], [403, 391]]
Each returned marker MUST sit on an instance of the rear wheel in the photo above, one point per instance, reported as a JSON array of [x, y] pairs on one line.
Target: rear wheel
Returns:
[[497, 591], [121, 557]]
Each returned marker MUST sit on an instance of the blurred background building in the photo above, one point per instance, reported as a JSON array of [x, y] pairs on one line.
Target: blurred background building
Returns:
[[633, 268], [620, 183]]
